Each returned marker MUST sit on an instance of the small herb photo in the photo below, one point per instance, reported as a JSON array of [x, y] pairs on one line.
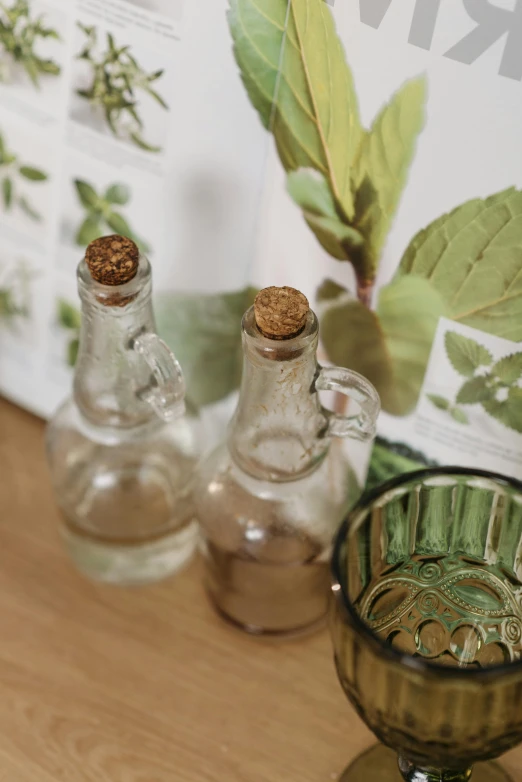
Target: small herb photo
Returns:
[[23, 181], [98, 201], [171, 8], [119, 91], [32, 50], [67, 319], [16, 278]]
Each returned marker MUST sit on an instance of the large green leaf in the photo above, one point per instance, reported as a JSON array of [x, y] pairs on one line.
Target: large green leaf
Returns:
[[294, 69], [391, 347], [466, 355], [383, 164], [509, 368], [204, 331], [473, 258]]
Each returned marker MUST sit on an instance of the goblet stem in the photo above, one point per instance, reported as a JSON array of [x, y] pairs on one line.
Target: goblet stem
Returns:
[[413, 773]]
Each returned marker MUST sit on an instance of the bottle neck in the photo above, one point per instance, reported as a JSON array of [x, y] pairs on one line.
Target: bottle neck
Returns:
[[277, 431], [109, 373]]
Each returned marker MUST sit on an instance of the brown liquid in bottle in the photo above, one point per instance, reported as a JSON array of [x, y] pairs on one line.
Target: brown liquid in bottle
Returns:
[[268, 597]]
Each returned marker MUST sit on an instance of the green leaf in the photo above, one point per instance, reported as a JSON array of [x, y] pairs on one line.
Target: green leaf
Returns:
[[119, 224], [205, 333], [89, 30], [310, 190], [508, 412], [466, 355], [156, 75], [476, 390], [7, 190], [294, 69], [28, 209], [69, 317], [157, 97], [48, 32], [143, 144], [329, 290], [459, 415], [85, 93], [337, 238], [508, 369], [73, 349], [87, 194], [390, 347], [88, 231], [31, 69], [34, 174], [2, 149], [382, 168], [49, 67], [473, 258], [439, 401], [118, 194]]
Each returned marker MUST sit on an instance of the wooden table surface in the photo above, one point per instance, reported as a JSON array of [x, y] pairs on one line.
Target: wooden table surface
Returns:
[[145, 684]]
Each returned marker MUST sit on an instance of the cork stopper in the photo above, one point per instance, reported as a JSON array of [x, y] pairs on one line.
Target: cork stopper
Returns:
[[281, 313], [112, 260]]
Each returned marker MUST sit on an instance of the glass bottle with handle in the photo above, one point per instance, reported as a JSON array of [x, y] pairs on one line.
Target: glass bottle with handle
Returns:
[[122, 451], [270, 499]]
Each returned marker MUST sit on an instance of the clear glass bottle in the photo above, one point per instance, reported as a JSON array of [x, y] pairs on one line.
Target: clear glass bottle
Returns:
[[122, 452], [270, 499]]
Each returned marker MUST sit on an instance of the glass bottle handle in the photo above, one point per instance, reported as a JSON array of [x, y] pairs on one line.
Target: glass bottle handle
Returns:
[[166, 393], [361, 425]]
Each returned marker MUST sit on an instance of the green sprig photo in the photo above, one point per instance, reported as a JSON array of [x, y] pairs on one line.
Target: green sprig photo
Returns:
[[494, 385], [21, 33], [16, 178], [68, 318], [117, 81], [15, 298], [104, 213]]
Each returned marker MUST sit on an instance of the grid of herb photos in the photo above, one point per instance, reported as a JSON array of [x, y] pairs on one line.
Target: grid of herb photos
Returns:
[[106, 111]]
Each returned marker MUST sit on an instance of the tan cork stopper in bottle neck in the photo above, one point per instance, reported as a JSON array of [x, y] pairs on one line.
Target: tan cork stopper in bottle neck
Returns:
[[112, 260], [281, 313]]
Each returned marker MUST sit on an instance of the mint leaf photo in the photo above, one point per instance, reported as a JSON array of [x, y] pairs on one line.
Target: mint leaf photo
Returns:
[[465, 354], [509, 369]]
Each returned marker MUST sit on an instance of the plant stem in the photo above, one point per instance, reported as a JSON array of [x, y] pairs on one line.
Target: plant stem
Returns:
[[365, 291]]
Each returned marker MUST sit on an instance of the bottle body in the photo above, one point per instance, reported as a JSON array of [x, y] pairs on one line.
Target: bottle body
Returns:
[[269, 500], [121, 451], [267, 545], [126, 505]]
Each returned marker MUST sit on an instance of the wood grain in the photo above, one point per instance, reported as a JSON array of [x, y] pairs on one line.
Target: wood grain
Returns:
[[99, 684]]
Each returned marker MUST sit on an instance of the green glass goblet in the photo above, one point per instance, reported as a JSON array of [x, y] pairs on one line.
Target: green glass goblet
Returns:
[[427, 625]]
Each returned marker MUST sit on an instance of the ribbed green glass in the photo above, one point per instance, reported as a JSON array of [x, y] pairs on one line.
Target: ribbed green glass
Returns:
[[427, 620]]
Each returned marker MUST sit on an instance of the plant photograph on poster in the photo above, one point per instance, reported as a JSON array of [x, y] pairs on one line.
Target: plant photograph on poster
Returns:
[[118, 91], [32, 53]]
